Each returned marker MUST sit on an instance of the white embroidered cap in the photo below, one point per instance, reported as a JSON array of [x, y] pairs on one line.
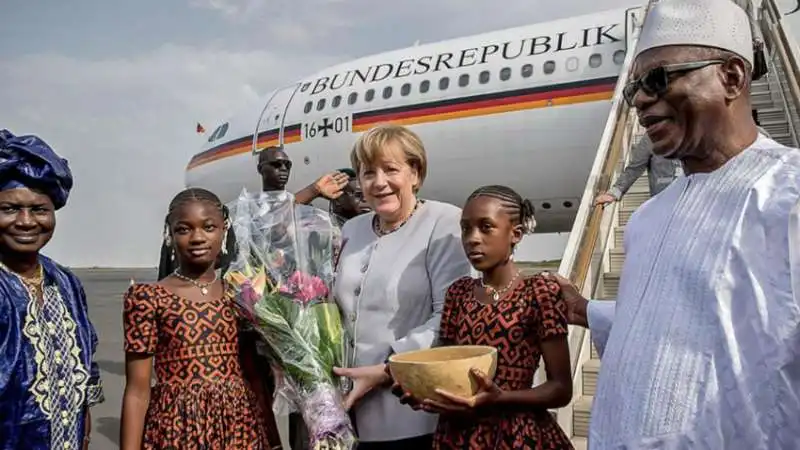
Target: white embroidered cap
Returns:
[[707, 23]]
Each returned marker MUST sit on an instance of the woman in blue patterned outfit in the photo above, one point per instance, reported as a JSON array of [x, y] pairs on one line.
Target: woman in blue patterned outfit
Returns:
[[48, 377]]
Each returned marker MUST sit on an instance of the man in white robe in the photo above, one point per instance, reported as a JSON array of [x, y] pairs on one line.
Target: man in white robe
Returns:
[[701, 349]]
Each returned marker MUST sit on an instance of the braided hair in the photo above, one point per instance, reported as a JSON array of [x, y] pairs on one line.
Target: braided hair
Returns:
[[167, 263], [519, 210]]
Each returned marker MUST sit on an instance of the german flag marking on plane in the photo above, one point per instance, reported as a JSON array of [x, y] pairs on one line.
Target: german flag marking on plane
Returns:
[[472, 106], [486, 104]]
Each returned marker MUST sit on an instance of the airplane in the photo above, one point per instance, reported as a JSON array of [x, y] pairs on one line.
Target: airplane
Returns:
[[523, 107]]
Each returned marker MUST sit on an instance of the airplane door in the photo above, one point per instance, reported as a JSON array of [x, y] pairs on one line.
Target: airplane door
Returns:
[[634, 19], [271, 128]]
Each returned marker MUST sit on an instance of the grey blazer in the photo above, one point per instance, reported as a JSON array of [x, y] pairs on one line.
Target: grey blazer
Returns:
[[391, 291]]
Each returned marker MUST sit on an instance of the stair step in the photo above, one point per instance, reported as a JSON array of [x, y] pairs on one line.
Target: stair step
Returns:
[[616, 258], [610, 285], [771, 114], [619, 236], [591, 369], [580, 443], [581, 412], [532, 267]]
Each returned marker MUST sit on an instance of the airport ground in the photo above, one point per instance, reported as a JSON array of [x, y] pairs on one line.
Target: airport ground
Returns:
[[104, 289]]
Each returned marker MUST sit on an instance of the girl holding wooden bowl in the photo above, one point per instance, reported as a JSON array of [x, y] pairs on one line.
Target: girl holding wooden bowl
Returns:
[[523, 318]]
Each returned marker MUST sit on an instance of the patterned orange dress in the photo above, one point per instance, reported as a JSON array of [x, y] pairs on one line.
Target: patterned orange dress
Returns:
[[516, 325], [201, 399]]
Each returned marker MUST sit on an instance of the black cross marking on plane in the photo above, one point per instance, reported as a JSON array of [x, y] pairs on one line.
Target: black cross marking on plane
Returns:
[[325, 127]]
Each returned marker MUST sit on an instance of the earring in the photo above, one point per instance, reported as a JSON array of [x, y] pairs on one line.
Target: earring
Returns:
[[225, 237]]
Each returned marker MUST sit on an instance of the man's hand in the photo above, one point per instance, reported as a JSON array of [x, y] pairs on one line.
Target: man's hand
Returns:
[[576, 303], [331, 185], [604, 199]]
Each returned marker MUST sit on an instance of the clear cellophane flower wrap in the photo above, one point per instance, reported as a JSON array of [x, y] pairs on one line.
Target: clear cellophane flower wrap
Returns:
[[282, 276]]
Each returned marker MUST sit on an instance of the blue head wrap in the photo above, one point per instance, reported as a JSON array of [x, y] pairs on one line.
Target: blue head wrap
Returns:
[[27, 161]]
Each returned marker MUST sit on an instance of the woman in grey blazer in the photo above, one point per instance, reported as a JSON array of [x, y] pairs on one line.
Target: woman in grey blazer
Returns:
[[394, 268]]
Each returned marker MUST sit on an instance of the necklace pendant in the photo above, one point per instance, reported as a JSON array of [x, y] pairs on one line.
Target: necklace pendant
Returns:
[[495, 296], [204, 291]]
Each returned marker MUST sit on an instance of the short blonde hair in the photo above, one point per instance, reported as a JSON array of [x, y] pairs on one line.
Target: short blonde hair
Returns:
[[372, 146]]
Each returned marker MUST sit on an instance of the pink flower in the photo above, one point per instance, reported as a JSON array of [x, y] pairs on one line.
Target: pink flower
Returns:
[[248, 298], [304, 287]]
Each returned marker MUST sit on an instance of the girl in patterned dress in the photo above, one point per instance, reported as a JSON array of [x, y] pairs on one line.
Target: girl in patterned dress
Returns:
[[523, 317], [185, 326]]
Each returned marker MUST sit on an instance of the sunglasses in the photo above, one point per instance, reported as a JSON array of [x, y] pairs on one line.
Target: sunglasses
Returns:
[[655, 82]]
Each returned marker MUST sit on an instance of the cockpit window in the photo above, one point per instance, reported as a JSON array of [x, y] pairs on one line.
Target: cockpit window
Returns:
[[223, 130], [219, 132]]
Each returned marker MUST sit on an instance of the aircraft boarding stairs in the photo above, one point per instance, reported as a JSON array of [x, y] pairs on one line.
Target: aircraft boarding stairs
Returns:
[[594, 254]]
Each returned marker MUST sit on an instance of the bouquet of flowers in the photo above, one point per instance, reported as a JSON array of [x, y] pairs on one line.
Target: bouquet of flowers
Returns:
[[281, 275]]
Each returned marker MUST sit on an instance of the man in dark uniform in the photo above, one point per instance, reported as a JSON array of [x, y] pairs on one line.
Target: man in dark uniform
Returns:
[[351, 203]]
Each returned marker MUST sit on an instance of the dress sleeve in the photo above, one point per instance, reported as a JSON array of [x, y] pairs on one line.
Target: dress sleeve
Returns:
[[448, 327], [139, 320], [552, 309]]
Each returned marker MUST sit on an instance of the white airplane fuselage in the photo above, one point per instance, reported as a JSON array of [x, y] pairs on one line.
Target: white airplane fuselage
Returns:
[[523, 107]]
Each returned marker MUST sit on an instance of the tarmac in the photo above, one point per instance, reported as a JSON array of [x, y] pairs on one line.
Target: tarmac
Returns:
[[104, 289]]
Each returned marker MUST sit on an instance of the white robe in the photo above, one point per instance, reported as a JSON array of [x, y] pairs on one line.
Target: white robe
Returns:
[[701, 350]]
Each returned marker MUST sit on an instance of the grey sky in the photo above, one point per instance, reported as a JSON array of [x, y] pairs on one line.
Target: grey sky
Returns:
[[117, 87]]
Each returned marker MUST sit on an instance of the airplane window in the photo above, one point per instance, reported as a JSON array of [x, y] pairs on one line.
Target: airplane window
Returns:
[[572, 64], [595, 60], [222, 131], [307, 109], [387, 92], [336, 101], [320, 104], [305, 87], [505, 74], [405, 90], [527, 71], [444, 83], [549, 67], [463, 80], [351, 99], [424, 86], [619, 57], [214, 134], [369, 95], [484, 76]]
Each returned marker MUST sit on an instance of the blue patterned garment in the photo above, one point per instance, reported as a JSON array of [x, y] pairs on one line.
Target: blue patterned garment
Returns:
[[48, 377], [701, 350]]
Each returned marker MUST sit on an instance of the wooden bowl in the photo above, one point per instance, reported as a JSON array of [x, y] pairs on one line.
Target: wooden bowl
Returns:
[[421, 372]]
